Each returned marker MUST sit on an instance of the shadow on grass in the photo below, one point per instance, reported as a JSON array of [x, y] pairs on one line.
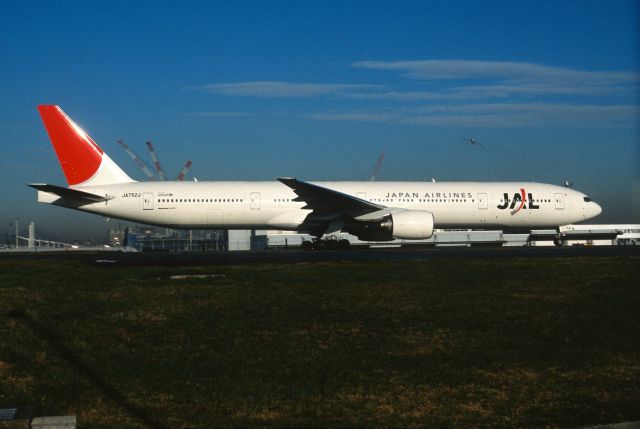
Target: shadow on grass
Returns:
[[56, 343]]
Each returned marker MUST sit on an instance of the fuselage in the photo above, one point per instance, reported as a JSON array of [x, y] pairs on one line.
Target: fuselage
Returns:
[[272, 205]]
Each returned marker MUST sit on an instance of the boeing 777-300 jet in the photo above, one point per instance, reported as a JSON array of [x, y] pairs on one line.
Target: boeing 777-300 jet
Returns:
[[372, 211]]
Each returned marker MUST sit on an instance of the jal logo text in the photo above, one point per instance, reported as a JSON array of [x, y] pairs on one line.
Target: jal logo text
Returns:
[[518, 202]]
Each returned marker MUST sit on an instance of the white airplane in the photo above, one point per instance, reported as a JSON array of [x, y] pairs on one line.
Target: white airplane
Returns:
[[372, 211]]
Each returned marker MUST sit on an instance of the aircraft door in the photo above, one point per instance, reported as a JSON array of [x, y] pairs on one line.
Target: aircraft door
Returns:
[[482, 201], [559, 201], [147, 201], [254, 198]]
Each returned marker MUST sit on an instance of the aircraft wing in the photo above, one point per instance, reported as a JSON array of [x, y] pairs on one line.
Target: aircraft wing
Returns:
[[327, 202], [68, 193]]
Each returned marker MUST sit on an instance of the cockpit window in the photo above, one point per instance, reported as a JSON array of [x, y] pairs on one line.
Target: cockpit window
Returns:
[[587, 199]]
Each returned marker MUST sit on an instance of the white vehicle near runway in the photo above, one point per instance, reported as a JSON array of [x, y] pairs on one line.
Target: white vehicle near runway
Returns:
[[372, 211]]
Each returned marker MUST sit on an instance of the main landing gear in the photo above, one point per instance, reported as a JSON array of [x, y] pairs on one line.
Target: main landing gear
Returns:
[[330, 243]]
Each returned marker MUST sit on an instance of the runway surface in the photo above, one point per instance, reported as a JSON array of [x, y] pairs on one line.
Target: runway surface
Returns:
[[297, 256]]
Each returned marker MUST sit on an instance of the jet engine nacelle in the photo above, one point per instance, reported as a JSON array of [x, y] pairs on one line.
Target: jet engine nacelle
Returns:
[[412, 224], [406, 224]]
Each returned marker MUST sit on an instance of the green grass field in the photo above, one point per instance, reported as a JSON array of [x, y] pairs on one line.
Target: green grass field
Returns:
[[443, 343]]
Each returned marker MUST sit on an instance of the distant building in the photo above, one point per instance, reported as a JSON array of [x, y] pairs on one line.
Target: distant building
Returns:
[[165, 239]]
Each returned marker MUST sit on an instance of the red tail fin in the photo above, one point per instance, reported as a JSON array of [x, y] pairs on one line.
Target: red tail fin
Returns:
[[81, 159]]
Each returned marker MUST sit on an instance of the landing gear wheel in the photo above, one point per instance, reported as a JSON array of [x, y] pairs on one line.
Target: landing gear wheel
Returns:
[[558, 241], [344, 244]]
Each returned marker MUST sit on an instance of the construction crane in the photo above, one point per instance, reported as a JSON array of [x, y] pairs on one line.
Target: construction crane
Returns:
[[136, 158], [145, 167], [186, 168], [156, 163], [376, 169]]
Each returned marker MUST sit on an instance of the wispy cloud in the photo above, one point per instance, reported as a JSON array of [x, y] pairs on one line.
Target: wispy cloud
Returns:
[[491, 79], [479, 92], [502, 115], [354, 116], [282, 89], [497, 79], [503, 70], [220, 114], [511, 115], [462, 93]]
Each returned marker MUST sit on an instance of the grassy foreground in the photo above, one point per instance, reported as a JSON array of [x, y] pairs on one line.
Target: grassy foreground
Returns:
[[444, 343]]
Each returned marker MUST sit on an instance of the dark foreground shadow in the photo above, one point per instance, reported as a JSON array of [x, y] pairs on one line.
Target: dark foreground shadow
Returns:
[[60, 348]]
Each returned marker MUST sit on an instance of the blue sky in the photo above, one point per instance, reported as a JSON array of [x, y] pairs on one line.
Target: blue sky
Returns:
[[317, 90]]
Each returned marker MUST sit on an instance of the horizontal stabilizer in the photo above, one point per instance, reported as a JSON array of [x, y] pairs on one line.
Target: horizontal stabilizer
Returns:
[[69, 193]]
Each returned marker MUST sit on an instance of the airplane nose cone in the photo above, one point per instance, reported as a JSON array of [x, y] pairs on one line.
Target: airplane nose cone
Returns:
[[592, 210], [597, 209]]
